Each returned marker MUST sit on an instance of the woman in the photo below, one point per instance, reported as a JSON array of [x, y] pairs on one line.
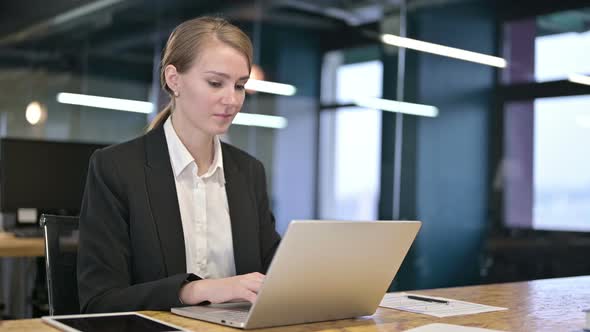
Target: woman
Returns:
[[175, 216]]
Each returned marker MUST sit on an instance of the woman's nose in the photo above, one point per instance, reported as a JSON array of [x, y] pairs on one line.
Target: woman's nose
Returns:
[[229, 97]]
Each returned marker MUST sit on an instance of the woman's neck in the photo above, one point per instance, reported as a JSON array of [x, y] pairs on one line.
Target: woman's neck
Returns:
[[198, 144]]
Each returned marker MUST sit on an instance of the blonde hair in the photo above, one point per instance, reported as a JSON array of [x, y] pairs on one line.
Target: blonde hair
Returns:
[[185, 44]]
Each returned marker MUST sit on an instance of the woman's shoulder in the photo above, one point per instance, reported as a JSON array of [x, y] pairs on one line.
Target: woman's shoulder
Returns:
[[124, 149], [132, 153], [120, 164], [238, 155], [240, 158]]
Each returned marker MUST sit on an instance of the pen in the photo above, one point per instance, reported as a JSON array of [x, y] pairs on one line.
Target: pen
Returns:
[[426, 299]]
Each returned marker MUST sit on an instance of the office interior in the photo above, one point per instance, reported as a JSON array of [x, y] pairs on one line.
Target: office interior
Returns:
[[491, 157]]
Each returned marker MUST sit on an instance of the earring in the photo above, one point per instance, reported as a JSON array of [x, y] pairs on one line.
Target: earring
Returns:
[[176, 94]]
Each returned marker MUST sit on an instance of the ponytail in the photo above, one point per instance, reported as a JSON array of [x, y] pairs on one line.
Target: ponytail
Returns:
[[161, 117]]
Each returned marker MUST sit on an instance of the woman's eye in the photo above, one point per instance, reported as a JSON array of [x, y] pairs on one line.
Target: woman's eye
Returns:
[[240, 87], [215, 84]]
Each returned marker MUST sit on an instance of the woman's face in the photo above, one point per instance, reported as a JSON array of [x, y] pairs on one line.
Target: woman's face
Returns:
[[211, 92]]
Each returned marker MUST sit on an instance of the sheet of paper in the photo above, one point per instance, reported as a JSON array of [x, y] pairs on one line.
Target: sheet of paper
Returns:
[[400, 301], [438, 327]]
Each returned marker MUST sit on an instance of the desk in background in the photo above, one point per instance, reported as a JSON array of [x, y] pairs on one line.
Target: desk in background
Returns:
[[11, 246], [18, 270], [541, 305]]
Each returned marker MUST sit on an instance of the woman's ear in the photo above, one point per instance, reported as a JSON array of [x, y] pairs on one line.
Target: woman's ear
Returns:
[[172, 78]]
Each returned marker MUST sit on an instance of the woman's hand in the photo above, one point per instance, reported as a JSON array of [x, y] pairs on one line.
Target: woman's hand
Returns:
[[239, 288]]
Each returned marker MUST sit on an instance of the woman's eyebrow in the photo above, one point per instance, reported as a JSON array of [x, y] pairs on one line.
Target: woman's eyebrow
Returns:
[[225, 75]]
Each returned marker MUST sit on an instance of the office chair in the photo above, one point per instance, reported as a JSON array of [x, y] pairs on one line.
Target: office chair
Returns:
[[61, 253]]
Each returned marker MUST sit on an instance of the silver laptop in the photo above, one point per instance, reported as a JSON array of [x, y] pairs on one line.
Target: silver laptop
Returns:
[[322, 270]]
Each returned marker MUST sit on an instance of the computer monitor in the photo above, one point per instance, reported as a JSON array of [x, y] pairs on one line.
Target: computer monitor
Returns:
[[42, 176]]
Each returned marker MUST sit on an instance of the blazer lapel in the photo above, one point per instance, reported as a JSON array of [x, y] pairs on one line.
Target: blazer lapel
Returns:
[[163, 201], [243, 215]]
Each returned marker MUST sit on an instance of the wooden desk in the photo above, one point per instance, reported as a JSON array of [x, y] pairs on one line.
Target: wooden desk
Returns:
[[11, 246], [17, 272], [541, 305]]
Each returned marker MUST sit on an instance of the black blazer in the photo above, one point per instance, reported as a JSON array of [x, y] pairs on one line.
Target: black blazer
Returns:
[[132, 254]]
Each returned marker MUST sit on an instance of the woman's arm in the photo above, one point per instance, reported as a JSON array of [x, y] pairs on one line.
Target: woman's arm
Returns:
[[104, 255], [269, 238], [244, 287]]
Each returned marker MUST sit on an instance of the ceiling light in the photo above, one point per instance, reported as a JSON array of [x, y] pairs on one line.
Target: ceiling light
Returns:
[[35, 113], [260, 120], [256, 73], [105, 102], [397, 106], [270, 87], [443, 50], [580, 79]]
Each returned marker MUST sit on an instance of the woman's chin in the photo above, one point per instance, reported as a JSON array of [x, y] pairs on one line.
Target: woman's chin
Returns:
[[220, 129]]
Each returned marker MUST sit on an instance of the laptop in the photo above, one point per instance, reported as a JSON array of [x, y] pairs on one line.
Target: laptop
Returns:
[[322, 270]]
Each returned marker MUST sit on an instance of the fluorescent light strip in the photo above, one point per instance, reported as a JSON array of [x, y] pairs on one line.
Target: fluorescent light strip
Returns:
[[580, 79], [260, 120], [105, 102], [88, 9], [583, 121], [271, 87], [246, 119], [397, 106], [443, 50]]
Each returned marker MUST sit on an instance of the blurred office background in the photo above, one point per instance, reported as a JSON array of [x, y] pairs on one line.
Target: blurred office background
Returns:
[[499, 173]]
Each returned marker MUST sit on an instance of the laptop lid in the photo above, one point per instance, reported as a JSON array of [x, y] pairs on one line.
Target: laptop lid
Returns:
[[326, 270]]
